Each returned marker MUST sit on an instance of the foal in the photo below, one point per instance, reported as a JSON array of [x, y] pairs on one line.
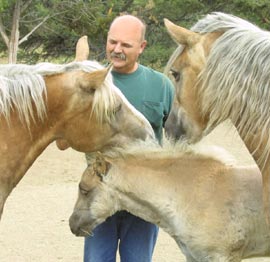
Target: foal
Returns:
[[212, 208]]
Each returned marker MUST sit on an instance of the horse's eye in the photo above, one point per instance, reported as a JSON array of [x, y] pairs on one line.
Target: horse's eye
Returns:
[[116, 109], [83, 191], [175, 74]]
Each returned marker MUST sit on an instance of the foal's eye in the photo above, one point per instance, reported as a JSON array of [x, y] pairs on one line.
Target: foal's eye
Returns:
[[83, 191], [175, 74]]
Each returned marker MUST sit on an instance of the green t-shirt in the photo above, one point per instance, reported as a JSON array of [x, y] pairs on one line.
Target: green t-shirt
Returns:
[[150, 92]]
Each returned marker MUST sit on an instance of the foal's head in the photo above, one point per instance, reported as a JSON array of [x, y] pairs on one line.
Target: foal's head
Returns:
[[94, 203]]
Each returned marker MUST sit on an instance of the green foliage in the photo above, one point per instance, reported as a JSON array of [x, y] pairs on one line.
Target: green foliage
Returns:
[[4, 4], [69, 20], [156, 56]]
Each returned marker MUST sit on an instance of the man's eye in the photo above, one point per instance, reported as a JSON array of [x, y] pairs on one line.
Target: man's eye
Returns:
[[127, 45]]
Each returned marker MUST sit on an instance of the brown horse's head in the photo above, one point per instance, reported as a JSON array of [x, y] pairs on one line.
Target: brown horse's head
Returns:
[[93, 114], [185, 66], [98, 116]]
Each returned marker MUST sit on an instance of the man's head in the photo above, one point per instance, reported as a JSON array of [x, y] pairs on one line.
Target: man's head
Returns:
[[125, 42]]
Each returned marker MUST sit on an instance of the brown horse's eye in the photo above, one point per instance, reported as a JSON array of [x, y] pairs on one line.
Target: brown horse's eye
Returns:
[[175, 74]]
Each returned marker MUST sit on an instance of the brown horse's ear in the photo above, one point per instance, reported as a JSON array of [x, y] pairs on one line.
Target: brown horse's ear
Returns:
[[101, 166], [94, 79], [82, 49], [181, 35]]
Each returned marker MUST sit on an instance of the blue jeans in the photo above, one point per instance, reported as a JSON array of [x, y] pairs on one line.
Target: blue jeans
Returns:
[[136, 237]]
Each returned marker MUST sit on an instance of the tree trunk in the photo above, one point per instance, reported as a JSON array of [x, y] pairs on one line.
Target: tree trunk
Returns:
[[15, 34]]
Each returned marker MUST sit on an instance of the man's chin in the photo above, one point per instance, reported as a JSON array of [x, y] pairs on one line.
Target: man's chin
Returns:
[[118, 66]]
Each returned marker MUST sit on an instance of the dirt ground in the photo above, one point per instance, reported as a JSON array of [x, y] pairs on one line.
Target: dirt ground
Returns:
[[34, 225]]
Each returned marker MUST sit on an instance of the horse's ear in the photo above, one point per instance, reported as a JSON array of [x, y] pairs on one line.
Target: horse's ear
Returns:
[[180, 34], [82, 49], [94, 79], [101, 166]]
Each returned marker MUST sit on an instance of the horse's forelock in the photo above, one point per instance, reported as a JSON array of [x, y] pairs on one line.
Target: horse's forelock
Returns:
[[236, 81], [105, 100], [177, 52]]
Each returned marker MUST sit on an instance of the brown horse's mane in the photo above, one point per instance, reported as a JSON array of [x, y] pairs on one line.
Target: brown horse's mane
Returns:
[[235, 80], [21, 85]]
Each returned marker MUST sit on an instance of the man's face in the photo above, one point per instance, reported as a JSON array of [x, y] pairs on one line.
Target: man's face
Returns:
[[124, 45]]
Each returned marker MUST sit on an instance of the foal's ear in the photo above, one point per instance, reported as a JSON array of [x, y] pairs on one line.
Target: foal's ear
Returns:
[[94, 80], [82, 49], [101, 166], [180, 34]]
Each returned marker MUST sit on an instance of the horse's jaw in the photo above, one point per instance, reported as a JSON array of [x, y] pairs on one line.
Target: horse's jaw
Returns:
[[82, 223]]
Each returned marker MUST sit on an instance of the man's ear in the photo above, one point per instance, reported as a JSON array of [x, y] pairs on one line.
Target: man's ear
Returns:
[[143, 45]]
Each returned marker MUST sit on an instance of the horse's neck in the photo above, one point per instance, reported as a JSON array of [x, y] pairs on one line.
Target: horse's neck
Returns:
[[19, 148], [21, 144], [143, 192]]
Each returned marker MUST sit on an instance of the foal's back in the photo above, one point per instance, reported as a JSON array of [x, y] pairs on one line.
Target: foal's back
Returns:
[[217, 207]]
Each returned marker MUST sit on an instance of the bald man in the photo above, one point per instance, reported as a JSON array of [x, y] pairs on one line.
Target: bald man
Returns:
[[152, 94]]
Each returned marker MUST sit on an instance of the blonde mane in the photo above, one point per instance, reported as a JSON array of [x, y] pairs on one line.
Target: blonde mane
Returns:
[[176, 53], [21, 85], [151, 149], [235, 80]]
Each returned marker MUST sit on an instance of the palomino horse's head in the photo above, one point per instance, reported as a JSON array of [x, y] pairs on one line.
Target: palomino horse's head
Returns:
[[184, 67], [220, 70], [94, 204], [107, 118], [174, 125], [97, 115]]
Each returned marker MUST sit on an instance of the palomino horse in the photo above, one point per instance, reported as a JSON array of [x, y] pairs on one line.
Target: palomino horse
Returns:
[[76, 104], [211, 207], [221, 71]]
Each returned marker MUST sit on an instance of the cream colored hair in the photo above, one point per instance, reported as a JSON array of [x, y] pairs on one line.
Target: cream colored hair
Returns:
[[235, 80], [22, 85]]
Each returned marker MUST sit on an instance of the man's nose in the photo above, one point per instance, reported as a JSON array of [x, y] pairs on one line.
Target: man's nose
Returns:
[[118, 48]]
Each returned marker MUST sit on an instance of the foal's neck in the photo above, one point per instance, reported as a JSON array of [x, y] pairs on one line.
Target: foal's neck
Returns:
[[142, 192]]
